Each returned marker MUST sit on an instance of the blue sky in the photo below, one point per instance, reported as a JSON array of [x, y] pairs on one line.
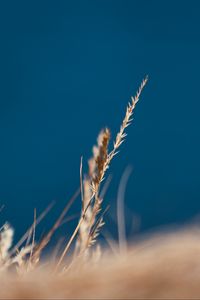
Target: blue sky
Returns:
[[68, 68]]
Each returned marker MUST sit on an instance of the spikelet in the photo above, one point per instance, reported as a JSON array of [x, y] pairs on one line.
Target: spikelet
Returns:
[[100, 157], [97, 171], [6, 239], [104, 159], [22, 264], [125, 123], [6, 259], [94, 176]]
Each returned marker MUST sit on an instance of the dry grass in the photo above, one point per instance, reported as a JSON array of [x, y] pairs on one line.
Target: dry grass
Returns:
[[166, 266], [159, 267]]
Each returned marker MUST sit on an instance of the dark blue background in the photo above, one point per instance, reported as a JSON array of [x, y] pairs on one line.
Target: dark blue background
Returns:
[[68, 68]]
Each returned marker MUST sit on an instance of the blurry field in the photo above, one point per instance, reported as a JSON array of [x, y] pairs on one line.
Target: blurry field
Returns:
[[164, 266]]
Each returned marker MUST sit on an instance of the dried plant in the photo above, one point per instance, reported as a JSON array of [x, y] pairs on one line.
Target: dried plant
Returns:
[[98, 164], [25, 256], [159, 267], [95, 163], [102, 159]]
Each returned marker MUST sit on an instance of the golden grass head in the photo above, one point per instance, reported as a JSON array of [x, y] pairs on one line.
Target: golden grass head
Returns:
[[27, 256]]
